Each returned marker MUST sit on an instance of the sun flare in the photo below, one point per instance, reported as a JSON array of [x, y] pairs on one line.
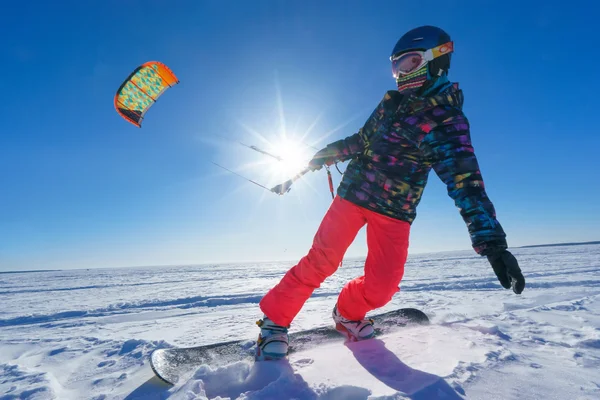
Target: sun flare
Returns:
[[292, 157]]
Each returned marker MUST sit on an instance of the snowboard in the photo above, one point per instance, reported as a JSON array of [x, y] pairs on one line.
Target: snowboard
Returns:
[[173, 363]]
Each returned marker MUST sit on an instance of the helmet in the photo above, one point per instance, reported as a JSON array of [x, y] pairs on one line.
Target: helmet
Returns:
[[425, 38]]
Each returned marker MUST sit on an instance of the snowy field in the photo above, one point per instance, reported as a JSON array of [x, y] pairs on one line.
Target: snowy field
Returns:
[[87, 334]]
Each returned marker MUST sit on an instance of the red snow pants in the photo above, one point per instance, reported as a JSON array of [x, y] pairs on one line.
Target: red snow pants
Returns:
[[387, 241]]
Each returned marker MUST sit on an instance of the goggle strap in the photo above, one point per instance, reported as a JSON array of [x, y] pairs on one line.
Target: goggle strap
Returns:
[[435, 52], [439, 51]]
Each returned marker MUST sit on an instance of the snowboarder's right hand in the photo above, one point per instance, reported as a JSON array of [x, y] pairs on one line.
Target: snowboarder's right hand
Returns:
[[507, 270], [321, 157]]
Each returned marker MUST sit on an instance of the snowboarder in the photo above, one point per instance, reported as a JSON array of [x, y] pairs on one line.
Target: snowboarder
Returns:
[[414, 129]]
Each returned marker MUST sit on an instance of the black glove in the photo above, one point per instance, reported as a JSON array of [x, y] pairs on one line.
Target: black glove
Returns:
[[507, 270], [321, 157]]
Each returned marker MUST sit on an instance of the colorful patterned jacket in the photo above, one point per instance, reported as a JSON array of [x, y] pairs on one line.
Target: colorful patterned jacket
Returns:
[[403, 139]]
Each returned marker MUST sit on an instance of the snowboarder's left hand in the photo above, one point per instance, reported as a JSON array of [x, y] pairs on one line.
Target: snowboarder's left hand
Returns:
[[507, 270]]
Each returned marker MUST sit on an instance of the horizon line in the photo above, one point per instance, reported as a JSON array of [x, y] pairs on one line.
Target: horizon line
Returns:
[[267, 261]]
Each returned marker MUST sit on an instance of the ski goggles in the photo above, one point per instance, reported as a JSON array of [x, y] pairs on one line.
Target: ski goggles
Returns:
[[406, 63]]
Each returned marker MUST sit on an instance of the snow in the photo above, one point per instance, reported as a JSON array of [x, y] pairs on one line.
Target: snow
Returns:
[[87, 334]]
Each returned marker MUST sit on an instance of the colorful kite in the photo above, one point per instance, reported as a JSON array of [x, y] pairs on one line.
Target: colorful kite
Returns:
[[141, 89]]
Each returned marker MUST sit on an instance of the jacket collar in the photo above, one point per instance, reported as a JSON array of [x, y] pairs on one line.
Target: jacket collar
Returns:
[[452, 96]]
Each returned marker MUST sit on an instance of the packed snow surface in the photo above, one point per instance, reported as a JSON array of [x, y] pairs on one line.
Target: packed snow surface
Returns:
[[87, 334]]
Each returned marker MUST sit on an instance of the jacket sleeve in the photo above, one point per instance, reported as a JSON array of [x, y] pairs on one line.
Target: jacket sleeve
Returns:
[[453, 159], [347, 148], [356, 144]]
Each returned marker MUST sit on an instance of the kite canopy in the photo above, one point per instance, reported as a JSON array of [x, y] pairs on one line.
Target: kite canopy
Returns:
[[141, 89]]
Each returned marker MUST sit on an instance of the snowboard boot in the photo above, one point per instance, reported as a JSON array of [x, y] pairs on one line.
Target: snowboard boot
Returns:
[[272, 343], [353, 330]]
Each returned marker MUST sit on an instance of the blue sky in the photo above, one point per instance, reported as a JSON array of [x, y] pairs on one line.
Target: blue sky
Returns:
[[82, 188]]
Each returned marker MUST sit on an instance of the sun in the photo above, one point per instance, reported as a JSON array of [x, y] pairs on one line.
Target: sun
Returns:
[[292, 157]]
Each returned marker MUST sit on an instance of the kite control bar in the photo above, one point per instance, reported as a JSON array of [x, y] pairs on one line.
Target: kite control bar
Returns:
[[280, 189], [284, 187]]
